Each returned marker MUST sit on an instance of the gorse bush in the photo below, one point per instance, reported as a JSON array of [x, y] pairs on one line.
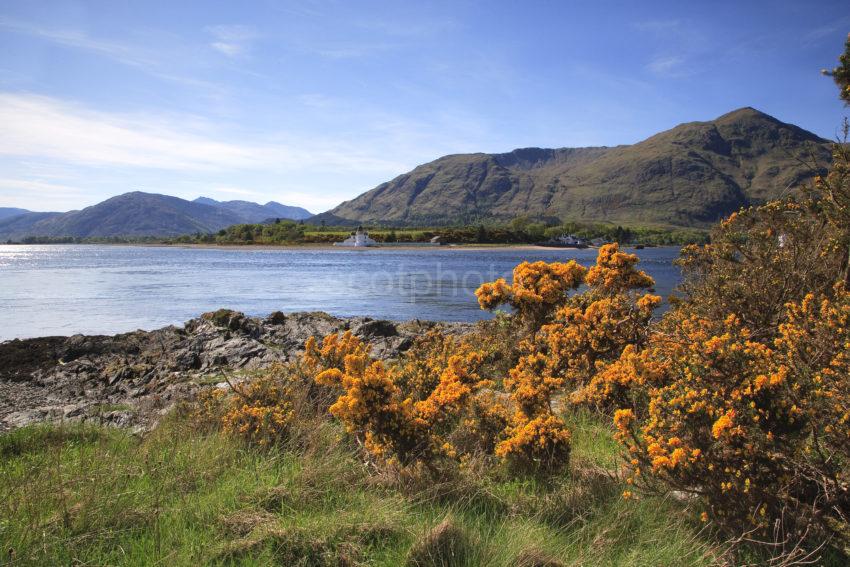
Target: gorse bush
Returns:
[[568, 338], [740, 394], [405, 421], [760, 430], [759, 259], [264, 414], [538, 289]]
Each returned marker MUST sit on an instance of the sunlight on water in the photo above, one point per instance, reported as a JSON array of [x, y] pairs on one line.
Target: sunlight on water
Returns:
[[62, 290]]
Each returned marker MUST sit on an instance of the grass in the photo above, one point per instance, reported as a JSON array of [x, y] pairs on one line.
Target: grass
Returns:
[[80, 494]]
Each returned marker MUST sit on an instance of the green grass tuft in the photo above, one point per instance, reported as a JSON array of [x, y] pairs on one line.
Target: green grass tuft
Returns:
[[80, 494]]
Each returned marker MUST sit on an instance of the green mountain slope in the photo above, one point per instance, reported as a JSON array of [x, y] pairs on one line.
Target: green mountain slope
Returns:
[[691, 175]]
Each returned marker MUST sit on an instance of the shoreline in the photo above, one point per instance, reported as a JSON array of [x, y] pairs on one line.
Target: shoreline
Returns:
[[57, 378], [457, 247], [328, 247]]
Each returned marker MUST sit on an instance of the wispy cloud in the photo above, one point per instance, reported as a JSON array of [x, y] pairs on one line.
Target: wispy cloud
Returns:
[[23, 192], [817, 35], [44, 127], [157, 63], [77, 39], [679, 44], [233, 40], [668, 66]]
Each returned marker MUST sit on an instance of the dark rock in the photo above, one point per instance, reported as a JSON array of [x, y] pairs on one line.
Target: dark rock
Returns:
[[377, 329], [52, 378], [276, 318]]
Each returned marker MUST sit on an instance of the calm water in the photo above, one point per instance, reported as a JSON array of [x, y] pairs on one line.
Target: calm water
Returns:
[[63, 290]]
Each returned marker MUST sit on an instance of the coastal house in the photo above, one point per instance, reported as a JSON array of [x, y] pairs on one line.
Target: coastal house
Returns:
[[359, 238], [565, 241]]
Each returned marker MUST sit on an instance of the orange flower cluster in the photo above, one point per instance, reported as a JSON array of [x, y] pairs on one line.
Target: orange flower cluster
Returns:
[[751, 426], [398, 424], [571, 339], [586, 339], [420, 370], [536, 439], [615, 272], [538, 289], [332, 352], [261, 412], [538, 443]]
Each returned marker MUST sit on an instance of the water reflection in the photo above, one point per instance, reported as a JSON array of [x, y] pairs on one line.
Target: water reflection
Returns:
[[48, 290]]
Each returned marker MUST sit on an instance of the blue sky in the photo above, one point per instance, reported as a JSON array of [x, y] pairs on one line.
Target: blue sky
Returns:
[[311, 103]]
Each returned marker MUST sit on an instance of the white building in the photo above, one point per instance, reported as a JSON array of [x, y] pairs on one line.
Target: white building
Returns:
[[568, 241], [357, 239]]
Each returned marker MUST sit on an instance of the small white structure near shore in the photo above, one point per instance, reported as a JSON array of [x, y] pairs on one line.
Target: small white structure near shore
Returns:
[[357, 239]]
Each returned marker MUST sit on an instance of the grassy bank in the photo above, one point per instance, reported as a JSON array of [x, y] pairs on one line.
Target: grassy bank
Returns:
[[78, 494]]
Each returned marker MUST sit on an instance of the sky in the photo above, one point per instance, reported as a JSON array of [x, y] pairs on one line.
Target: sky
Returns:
[[311, 103]]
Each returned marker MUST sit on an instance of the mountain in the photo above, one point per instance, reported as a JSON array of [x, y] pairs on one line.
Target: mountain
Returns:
[[142, 214], [288, 211], [691, 175], [7, 212], [253, 212], [130, 214], [20, 226]]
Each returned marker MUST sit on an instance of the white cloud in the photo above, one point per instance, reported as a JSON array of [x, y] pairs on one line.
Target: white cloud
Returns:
[[233, 40], [157, 63], [44, 127], [80, 40], [669, 65], [49, 196]]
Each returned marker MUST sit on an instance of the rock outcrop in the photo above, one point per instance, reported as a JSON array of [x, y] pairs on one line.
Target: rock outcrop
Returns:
[[133, 378]]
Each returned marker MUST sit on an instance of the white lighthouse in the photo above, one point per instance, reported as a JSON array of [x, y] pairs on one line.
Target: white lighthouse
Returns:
[[358, 239]]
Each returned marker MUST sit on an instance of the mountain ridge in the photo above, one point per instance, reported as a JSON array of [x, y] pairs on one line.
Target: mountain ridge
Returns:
[[688, 176], [254, 212], [9, 212], [133, 214]]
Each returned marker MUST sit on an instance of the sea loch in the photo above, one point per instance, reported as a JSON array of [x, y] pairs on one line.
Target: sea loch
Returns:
[[64, 290]]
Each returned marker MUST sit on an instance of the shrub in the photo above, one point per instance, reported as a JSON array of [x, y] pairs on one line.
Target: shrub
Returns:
[[405, 420], [538, 289], [570, 340], [540, 444], [261, 411], [483, 425], [760, 432], [759, 259]]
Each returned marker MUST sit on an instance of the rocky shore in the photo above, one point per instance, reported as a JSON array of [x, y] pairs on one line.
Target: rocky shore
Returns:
[[132, 379]]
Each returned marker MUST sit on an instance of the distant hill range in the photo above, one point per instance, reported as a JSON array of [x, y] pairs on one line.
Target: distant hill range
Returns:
[[6, 212], [253, 212], [143, 214], [689, 176]]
